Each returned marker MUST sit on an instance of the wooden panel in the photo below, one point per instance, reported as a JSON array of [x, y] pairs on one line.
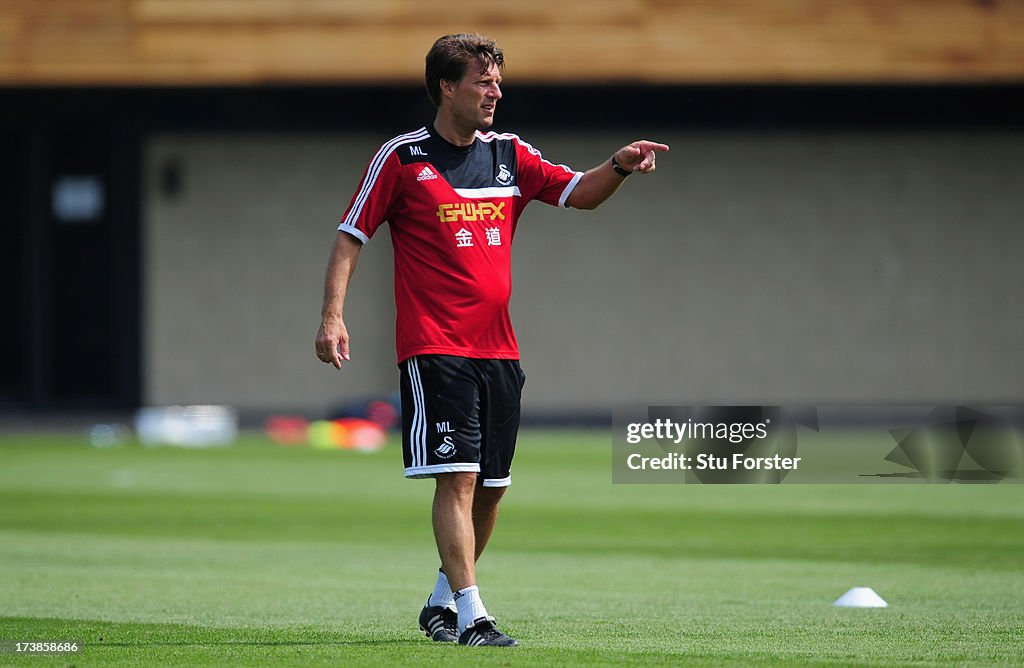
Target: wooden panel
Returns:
[[661, 41], [395, 13]]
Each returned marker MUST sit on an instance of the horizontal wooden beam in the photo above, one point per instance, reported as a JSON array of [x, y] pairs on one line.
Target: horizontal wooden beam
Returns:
[[198, 42]]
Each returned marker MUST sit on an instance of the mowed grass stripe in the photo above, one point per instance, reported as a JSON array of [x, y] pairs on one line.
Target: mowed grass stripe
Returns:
[[993, 543], [569, 470], [290, 580]]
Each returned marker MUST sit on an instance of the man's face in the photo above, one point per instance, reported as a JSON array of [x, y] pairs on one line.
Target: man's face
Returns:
[[475, 96]]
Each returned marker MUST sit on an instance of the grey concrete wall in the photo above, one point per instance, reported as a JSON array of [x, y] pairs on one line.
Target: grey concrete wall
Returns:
[[234, 272], [751, 268]]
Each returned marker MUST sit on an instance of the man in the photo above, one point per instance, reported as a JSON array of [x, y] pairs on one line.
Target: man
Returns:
[[452, 194]]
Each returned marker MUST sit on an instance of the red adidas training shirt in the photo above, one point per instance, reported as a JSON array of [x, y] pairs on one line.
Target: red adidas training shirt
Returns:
[[452, 213]]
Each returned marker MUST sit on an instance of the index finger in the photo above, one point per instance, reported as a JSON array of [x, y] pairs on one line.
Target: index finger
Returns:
[[647, 146]]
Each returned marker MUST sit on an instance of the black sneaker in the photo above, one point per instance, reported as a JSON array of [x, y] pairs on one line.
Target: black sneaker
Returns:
[[439, 623], [483, 631]]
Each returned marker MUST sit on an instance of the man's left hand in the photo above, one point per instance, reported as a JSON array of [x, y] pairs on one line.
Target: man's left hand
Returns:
[[639, 156]]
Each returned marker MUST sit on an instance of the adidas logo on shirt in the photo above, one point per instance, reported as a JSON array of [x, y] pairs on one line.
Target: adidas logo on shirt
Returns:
[[426, 174]]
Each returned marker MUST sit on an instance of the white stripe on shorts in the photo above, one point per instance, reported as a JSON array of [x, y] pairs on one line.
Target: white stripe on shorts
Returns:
[[498, 482], [434, 469], [418, 432]]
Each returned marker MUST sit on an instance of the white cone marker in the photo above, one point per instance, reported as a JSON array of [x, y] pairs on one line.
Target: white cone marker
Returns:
[[861, 597]]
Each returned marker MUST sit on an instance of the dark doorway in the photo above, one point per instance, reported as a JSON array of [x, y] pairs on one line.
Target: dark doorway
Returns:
[[15, 360], [68, 265]]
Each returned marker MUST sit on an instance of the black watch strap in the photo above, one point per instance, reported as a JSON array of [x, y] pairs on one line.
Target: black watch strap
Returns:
[[619, 169]]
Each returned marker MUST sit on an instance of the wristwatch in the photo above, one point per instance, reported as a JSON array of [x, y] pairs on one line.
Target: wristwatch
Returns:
[[619, 169]]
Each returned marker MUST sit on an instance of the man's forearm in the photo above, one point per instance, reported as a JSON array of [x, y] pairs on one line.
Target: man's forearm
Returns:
[[332, 344], [340, 267], [595, 186]]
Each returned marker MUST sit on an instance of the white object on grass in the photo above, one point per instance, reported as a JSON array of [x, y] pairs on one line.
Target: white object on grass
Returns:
[[861, 597], [187, 426]]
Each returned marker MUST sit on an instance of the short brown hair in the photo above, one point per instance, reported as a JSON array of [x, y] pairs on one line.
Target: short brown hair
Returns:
[[448, 59]]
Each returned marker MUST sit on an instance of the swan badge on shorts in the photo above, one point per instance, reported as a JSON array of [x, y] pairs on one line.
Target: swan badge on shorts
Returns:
[[447, 449]]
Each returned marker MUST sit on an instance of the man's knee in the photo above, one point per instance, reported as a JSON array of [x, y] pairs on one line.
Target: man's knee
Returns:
[[487, 497], [459, 484]]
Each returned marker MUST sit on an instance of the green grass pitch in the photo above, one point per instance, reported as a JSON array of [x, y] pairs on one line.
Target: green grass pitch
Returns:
[[260, 555]]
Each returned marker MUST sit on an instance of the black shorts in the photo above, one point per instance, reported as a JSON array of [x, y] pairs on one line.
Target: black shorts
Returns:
[[460, 414]]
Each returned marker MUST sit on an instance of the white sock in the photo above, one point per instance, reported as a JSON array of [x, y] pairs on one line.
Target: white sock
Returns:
[[442, 595], [470, 606]]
